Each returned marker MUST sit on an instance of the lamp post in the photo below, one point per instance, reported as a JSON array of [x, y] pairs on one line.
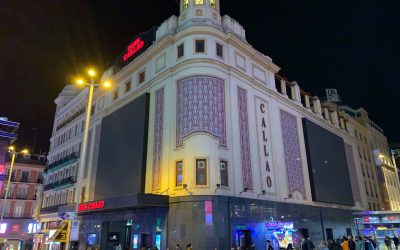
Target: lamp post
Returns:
[[82, 160], [13, 153]]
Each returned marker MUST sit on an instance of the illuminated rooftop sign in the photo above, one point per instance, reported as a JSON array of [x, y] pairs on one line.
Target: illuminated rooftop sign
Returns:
[[136, 47]]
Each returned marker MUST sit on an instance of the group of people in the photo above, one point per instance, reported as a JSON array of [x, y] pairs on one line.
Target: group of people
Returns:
[[349, 243]]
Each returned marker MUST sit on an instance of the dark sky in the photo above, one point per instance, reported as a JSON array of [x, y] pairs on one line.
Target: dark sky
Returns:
[[353, 46]]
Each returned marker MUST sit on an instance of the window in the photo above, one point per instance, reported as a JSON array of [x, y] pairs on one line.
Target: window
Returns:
[[142, 76], [83, 195], [93, 110], [185, 4], [25, 176], [181, 51], [18, 210], [220, 51], [212, 3], [198, 1], [223, 167], [201, 172], [200, 46], [22, 191], [128, 85], [179, 174], [115, 94]]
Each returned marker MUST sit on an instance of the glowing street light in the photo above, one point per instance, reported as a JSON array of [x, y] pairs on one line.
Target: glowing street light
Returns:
[[91, 85]]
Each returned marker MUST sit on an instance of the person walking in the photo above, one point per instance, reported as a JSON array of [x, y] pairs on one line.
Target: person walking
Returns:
[[345, 244], [178, 247], [350, 243], [269, 246], [307, 244], [189, 246], [396, 242], [289, 246], [359, 243], [388, 243], [368, 244]]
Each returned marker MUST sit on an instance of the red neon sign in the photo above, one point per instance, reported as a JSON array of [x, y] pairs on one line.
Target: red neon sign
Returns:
[[90, 206], [133, 48]]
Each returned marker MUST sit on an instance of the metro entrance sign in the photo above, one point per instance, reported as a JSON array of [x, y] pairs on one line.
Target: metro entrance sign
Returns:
[[62, 233]]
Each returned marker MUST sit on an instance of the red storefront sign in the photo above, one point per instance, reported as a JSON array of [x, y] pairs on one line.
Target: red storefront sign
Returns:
[[90, 206]]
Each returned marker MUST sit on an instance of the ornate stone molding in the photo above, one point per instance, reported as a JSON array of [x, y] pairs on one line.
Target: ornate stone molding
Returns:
[[201, 108], [158, 134], [244, 139], [292, 153]]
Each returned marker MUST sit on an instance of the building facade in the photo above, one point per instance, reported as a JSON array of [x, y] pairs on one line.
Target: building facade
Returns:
[[378, 163], [18, 226], [201, 141]]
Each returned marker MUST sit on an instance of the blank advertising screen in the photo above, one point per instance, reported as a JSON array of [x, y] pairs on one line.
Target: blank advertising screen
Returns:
[[327, 165], [122, 153]]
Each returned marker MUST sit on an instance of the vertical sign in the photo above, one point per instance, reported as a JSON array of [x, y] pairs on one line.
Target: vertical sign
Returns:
[[264, 146]]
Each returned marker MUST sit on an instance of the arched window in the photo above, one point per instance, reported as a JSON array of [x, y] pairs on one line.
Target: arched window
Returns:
[[185, 4], [198, 1], [213, 4]]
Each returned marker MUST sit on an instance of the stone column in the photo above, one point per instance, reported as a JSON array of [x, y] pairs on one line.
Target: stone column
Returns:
[[283, 87], [307, 101], [317, 106]]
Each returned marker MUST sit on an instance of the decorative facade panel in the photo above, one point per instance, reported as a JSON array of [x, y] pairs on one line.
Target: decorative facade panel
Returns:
[[292, 153], [201, 108], [244, 139], [96, 149], [158, 134], [352, 171]]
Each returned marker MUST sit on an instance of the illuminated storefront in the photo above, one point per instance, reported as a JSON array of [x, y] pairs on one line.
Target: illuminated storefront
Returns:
[[378, 224]]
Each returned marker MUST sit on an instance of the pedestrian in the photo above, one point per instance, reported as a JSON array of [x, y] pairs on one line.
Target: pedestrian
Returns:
[[396, 242], [350, 243], [269, 246], [155, 247], [307, 244], [189, 246], [322, 245], [388, 243], [368, 244], [289, 246], [345, 244], [335, 245], [178, 247], [359, 243]]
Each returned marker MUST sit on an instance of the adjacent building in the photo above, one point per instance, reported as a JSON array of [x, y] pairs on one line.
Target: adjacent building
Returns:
[[201, 141], [18, 227]]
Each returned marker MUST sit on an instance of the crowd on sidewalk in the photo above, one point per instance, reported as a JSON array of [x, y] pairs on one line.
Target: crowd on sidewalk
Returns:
[[350, 243]]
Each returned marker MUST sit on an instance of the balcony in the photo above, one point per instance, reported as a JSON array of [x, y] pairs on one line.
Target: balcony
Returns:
[[68, 180], [62, 162], [51, 209], [18, 215]]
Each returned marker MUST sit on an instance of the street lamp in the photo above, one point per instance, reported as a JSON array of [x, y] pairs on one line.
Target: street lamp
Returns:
[[13, 153], [91, 85]]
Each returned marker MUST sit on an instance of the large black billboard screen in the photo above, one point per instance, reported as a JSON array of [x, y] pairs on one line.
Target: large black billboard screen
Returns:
[[123, 147], [327, 165]]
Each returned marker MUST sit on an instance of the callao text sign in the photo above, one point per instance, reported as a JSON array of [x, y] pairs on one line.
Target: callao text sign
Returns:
[[264, 145]]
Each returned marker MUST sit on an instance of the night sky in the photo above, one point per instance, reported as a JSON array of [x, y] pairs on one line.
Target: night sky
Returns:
[[353, 46]]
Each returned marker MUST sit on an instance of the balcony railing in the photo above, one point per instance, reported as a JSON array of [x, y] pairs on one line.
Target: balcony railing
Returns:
[[24, 179], [64, 161], [68, 180]]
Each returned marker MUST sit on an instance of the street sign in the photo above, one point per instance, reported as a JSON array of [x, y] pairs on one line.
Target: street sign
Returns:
[[3, 177], [67, 215], [74, 236], [62, 233]]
